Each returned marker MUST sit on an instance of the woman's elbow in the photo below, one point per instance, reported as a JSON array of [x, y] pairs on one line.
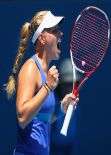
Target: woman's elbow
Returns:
[[22, 122]]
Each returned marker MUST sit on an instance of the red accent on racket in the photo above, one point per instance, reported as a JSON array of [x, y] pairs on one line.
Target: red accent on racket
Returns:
[[88, 45]]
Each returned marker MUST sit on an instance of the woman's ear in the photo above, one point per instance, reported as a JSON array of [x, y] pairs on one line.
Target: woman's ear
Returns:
[[42, 39]]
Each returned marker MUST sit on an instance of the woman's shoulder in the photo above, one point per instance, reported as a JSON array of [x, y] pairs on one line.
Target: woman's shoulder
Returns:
[[29, 67]]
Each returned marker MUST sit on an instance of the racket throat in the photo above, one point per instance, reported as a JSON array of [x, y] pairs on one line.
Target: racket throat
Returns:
[[78, 85], [75, 90]]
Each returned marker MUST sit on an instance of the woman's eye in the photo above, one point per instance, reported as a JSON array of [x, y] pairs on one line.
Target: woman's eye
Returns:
[[55, 31]]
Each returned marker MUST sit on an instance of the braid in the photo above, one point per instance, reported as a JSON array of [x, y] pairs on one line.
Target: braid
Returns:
[[27, 31], [22, 46], [10, 87]]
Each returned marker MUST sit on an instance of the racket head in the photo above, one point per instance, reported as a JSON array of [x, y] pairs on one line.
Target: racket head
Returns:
[[89, 42]]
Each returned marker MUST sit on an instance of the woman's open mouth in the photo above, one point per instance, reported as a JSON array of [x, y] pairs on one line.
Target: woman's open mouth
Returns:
[[58, 44]]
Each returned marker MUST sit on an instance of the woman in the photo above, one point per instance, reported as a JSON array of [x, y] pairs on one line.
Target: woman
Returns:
[[35, 84]]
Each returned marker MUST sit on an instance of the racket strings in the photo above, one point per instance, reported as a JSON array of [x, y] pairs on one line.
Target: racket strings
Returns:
[[88, 50], [89, 65], [97, 16], [89, 41], [96, 19], [92, 32], [87, 58], [93, 26], [94, 43]]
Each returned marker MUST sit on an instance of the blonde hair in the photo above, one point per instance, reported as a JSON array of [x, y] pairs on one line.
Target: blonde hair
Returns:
[[27, 31]]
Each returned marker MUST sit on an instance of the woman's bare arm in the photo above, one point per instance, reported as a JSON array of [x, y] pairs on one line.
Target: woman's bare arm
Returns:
[[27, 103]]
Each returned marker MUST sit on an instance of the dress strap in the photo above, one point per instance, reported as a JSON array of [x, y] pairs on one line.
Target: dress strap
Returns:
[[40, 69]]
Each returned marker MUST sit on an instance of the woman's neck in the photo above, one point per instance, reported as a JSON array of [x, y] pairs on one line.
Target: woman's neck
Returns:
[[44, 62]]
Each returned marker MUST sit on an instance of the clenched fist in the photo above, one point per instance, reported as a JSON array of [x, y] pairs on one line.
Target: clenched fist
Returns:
[[52, 78]]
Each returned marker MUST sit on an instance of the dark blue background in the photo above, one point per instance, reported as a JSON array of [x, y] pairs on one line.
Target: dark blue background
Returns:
[[93, 116]]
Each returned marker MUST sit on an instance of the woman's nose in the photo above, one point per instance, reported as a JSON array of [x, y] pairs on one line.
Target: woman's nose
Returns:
[[61, 33]]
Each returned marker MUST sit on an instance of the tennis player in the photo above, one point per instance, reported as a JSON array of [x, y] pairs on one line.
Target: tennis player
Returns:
[[34, 84]]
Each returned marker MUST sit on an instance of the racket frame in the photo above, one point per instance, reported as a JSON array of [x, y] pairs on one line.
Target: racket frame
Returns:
[[76, 88]]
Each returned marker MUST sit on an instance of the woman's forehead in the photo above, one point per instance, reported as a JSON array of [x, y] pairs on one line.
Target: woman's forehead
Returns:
[[55, 27]]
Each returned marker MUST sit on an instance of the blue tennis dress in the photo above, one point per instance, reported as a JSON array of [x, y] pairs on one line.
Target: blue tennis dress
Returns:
[[35, 138]]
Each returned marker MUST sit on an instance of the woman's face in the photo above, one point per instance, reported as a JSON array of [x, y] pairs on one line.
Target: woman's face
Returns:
[[53, 40]]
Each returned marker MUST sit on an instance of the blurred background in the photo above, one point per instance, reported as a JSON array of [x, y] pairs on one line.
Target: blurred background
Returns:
[[90, 128]]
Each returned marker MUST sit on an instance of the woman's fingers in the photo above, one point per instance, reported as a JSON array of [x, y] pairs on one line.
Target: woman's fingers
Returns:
[[53, 77]]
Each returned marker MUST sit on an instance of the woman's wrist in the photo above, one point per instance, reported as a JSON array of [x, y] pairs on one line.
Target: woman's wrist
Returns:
[[60, 112], [47, 88]]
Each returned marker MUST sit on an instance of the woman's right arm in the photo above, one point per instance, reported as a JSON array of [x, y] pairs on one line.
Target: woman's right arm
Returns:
[[27, 103]]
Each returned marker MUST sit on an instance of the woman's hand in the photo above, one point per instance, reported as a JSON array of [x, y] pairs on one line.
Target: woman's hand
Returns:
[[67, 99], [52, 78]]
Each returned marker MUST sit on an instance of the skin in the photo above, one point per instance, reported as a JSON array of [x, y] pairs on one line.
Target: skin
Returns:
[[29, 79]]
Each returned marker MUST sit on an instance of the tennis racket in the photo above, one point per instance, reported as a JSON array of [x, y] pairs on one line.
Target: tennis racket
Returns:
[[88, 45]]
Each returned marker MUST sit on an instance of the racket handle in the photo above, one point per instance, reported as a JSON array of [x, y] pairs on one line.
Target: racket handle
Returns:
[[67, 118]]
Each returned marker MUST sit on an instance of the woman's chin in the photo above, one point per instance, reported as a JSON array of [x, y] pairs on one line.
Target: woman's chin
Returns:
[[57, 56]]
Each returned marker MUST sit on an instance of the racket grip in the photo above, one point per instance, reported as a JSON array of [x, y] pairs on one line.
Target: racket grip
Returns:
[[67, 119]]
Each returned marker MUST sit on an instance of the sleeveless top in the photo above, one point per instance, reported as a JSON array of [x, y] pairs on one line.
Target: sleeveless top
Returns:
[[34, 139]]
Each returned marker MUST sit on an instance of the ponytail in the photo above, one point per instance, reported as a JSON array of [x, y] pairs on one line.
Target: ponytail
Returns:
[[10, 87], [27, 31]]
